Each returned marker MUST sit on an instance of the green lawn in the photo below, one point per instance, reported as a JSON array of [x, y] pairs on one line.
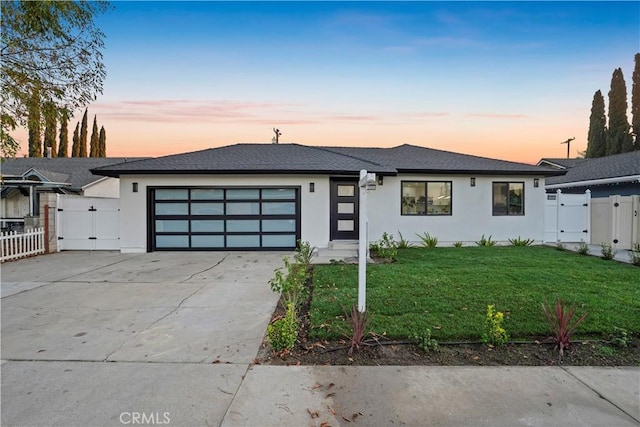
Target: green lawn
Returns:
[[448, 289]]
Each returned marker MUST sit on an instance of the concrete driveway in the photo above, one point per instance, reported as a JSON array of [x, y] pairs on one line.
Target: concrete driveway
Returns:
[[200, 316]]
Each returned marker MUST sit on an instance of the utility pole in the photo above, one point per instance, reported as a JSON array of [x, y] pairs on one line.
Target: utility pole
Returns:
[[568, 142], [276, 138]]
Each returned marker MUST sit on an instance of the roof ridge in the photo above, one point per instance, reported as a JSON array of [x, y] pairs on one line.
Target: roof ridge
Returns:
[[328, 150]]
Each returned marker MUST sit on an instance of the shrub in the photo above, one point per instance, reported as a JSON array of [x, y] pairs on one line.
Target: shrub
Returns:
[[428, 241], [291, 283], [304, 254], [358, 323], [521, 242], [484, 241], [560, 246], [607, 251], [583, 248], [457, 244], [402, 243], [424, 341], [634, 255], [283, 333], [562, 322], [620, 337], [385, 248], [493, 332]]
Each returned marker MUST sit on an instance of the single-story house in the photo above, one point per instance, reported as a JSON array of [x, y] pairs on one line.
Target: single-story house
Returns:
[[267, 196], [603, 176], [25, 178]]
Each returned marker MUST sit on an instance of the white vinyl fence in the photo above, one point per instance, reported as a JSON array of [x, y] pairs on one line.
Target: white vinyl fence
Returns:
[[567, 217], [15, 245]]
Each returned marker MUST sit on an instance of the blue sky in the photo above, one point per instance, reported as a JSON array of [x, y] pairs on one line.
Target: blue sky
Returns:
[[500, 79]]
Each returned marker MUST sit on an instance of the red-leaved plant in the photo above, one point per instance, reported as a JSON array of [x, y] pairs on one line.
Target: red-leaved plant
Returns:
[[562, 322], [358, 323]]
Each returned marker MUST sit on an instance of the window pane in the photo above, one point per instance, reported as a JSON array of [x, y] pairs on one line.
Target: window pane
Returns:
[[236, 194], [207, 226], [285, 208], [243, 208], [207, 208], [243, 226], [207, 194], [279, 193], [207, 241], [172, 194], [345, 190], [279, 240], [243, 241], [346, 208], [438, 198], [516, 198], [172, 208], [413, 198], [345, 225], [172, 241], [279, 225], [500, 198], [166, 226]]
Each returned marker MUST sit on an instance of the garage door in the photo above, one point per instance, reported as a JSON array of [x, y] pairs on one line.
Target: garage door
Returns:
[[224, 218]]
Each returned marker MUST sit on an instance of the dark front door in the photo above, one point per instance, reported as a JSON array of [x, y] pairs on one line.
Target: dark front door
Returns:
[[344, 209]]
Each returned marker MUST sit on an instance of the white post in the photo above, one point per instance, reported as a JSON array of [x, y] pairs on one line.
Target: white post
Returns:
[[558, 216], [362, 245]]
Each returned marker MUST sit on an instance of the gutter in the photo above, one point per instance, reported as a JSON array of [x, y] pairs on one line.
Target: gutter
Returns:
[[602, 181]]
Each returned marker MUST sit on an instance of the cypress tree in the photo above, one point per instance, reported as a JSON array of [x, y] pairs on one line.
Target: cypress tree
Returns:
[[63, 141], [102, 143], [635, 101], [596, 139], [50, 125], [619, 138], [83, 136], [75, 148], [95, 150], [33, 124]]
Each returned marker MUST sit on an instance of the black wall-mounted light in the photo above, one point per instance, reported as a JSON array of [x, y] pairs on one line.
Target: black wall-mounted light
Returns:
[[312, 187], [134, 187], [472, 181], [380, 179], [536, 182]]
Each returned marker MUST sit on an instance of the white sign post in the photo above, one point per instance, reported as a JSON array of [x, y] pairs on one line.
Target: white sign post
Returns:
[[367, 182]]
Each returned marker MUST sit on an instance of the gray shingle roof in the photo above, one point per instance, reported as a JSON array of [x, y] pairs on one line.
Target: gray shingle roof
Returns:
[[562, 162], [300, 159], [618, 165], [74, 170]]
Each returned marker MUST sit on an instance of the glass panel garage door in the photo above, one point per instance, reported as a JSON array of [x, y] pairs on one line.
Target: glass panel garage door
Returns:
[[224, 218]]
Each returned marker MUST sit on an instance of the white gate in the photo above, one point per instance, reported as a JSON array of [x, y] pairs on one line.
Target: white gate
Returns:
[[567, 217], [615, 220], [88, 223]]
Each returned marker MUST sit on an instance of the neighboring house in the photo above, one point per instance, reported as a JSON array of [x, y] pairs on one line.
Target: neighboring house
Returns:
[[603, 176], [267, 196], [24, 179]]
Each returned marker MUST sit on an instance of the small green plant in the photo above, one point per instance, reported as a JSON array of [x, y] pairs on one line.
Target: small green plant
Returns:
[[561, 320], [560, 246], [402, 243], [620, 337], [634, 255], [607, 251], [457, 244], [583, 248], [605, 350], [358, 323], [283, 333], [486, 241], [291, 283], [304, 254], [385, 248], [521, 242], [428, 241], [493, 333], [424, 340]]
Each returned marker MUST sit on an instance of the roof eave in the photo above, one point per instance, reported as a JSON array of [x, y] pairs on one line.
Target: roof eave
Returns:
[[601, 181], [117, 174], [483, 172]]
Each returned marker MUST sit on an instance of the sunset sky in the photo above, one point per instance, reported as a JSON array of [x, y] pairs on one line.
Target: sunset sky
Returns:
[[500, 79]]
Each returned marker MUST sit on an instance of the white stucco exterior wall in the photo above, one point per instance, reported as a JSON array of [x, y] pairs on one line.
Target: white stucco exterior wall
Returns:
[[314, 207], [105, 187], [471, 216]]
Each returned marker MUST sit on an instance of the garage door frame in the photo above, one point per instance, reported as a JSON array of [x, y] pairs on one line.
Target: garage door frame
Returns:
[[224, 218]]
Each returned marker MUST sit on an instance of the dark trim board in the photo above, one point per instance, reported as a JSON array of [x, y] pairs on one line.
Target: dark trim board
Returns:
[[223, 218]]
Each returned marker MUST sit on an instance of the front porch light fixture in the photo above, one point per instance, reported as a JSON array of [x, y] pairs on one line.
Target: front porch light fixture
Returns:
[[134, 187], [536, 182], [473, 181]]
